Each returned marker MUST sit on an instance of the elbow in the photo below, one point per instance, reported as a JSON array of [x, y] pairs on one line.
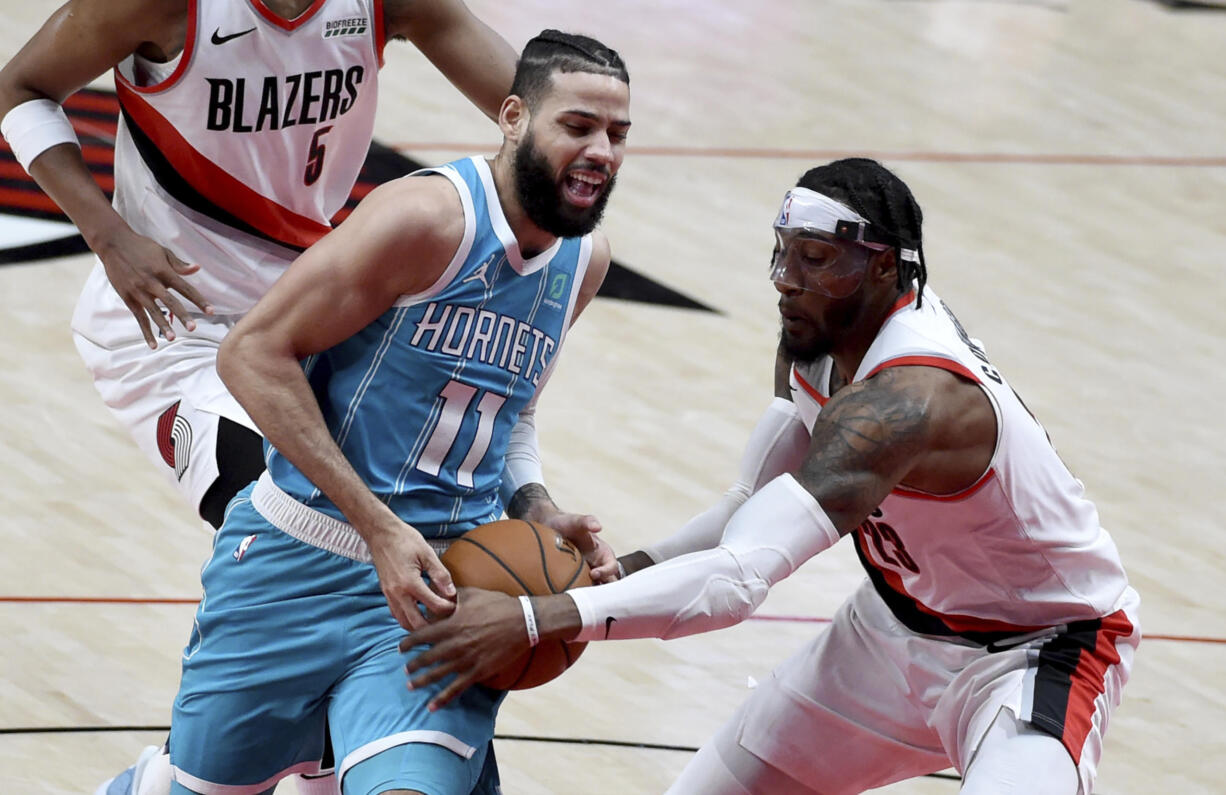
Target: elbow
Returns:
[[230, 356], [724, 602]]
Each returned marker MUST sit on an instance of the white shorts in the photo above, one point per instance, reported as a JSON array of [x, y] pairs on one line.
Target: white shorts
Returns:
[[869, 702], [170, 398]]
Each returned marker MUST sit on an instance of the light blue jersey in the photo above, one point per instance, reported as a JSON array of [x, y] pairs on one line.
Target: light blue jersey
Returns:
[[422, 400]]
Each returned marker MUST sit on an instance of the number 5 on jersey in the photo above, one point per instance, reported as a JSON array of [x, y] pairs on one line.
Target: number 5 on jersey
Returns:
[[457, 397], [315, 157]]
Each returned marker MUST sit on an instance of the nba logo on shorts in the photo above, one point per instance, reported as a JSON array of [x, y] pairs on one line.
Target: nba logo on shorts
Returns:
[[242, 548]]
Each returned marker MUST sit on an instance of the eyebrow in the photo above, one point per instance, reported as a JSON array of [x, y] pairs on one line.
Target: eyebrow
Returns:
[[587, 114]]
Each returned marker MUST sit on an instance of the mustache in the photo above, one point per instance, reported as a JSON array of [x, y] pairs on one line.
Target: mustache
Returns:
[[602, 170]]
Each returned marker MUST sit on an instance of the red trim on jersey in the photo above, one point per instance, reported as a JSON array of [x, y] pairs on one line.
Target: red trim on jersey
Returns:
[[902, 303], [218, 185], [939, 362], [185, 57], [380, 30], [1088, 679], [899, 491], [812, 390], [283, 23], [957, 624]]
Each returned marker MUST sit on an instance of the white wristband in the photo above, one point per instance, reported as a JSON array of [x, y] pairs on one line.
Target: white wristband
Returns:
[[33, 127], [534, 637]]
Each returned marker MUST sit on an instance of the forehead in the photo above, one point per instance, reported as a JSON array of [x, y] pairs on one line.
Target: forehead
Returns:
[[786, 236], [585, 92]]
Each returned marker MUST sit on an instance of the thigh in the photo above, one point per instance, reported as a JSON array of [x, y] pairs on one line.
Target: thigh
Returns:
[[844, 713], [375, 718], [267, 644], [1065, 686], [723, 767], [170, 398], [421, 767], [1015, 757]]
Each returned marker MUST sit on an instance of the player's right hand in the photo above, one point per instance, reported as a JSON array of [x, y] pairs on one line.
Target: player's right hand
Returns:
[[401, 559], [144, 273]]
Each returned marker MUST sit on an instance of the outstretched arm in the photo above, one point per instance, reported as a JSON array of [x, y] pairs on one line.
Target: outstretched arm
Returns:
[[468, 52], [82, 40], [333, 290], [865, 441]]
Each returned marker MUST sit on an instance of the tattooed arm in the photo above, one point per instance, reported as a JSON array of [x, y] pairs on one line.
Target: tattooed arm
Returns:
[[921, 427], [867, 439], [531, 502]]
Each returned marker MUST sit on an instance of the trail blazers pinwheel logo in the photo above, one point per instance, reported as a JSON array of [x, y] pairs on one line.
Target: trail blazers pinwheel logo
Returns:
[[174, 440]]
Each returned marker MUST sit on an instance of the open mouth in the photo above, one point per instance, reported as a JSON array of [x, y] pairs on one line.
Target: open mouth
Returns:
[[583, 188]]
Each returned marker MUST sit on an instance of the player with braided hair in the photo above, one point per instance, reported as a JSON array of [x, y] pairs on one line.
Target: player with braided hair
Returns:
[[995, 630]]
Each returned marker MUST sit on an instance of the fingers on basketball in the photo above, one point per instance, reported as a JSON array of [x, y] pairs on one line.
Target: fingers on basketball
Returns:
[[521, 558]]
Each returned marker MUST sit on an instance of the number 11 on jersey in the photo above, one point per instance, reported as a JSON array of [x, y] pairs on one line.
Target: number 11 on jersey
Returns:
[[456, 398]]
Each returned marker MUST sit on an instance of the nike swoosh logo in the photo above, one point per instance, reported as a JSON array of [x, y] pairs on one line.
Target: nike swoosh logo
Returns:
[[608, 624], [219, 39]]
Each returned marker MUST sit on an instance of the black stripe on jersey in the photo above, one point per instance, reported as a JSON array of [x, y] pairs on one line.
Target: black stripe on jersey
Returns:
[[183, 192], [908, 612], [1058, 661]]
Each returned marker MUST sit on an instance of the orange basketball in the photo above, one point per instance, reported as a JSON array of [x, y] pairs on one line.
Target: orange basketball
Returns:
[[521, 558]]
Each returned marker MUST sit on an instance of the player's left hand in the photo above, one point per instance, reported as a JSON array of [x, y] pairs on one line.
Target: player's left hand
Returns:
[[483, 636], [581, 529]]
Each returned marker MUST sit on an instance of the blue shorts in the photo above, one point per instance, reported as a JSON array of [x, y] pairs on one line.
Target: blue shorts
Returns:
[[287, 634]]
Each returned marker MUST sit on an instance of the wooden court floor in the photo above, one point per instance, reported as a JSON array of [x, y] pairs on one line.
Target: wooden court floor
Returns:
[[1070, 158]]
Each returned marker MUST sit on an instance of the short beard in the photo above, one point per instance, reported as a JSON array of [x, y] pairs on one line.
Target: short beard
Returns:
[[541, 196], [803, 354], [843, 318]]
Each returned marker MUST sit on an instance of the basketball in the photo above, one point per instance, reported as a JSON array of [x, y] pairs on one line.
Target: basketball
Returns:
[[521, 558]]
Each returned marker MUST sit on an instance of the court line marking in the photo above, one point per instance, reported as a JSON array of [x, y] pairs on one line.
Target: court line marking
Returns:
[[134, 600], [921, 156]]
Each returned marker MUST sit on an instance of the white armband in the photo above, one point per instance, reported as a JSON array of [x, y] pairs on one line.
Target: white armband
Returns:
[[522, 464], [778, 444], [33, 127], [534, 636], [772, 534]]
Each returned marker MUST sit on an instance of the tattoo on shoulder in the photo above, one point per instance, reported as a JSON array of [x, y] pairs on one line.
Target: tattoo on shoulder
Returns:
[[528, 495], [870, 427]]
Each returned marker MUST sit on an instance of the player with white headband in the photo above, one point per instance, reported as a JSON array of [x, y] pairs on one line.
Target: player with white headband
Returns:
[[996, 628]]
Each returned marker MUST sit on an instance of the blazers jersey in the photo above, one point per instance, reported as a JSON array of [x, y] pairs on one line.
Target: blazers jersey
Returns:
[[1019, 550], [237, 154], [422, 401]]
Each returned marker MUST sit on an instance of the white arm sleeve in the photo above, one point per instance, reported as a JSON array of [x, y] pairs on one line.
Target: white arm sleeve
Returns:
[[523, 460], [774, 532], [778, 444]]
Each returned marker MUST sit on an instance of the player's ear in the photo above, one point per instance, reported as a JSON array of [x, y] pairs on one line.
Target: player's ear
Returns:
[[513, 118], [883, 267]]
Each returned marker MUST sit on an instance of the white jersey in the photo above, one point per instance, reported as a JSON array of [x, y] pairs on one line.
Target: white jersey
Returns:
[[237, 154], [1020, 550]]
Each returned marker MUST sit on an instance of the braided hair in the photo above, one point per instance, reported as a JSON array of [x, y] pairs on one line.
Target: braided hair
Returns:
[[554, 51], [876, 193]]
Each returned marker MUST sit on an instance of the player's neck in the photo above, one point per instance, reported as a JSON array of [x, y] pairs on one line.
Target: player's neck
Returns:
[[855, 342], [531, 238], [288, 10]]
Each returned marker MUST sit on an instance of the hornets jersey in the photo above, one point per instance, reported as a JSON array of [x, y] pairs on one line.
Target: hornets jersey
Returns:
[[422, 400], [1020, 549], [237, 154]]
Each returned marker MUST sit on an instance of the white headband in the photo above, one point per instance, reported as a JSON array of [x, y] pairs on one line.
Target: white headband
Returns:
[[809, 210]]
